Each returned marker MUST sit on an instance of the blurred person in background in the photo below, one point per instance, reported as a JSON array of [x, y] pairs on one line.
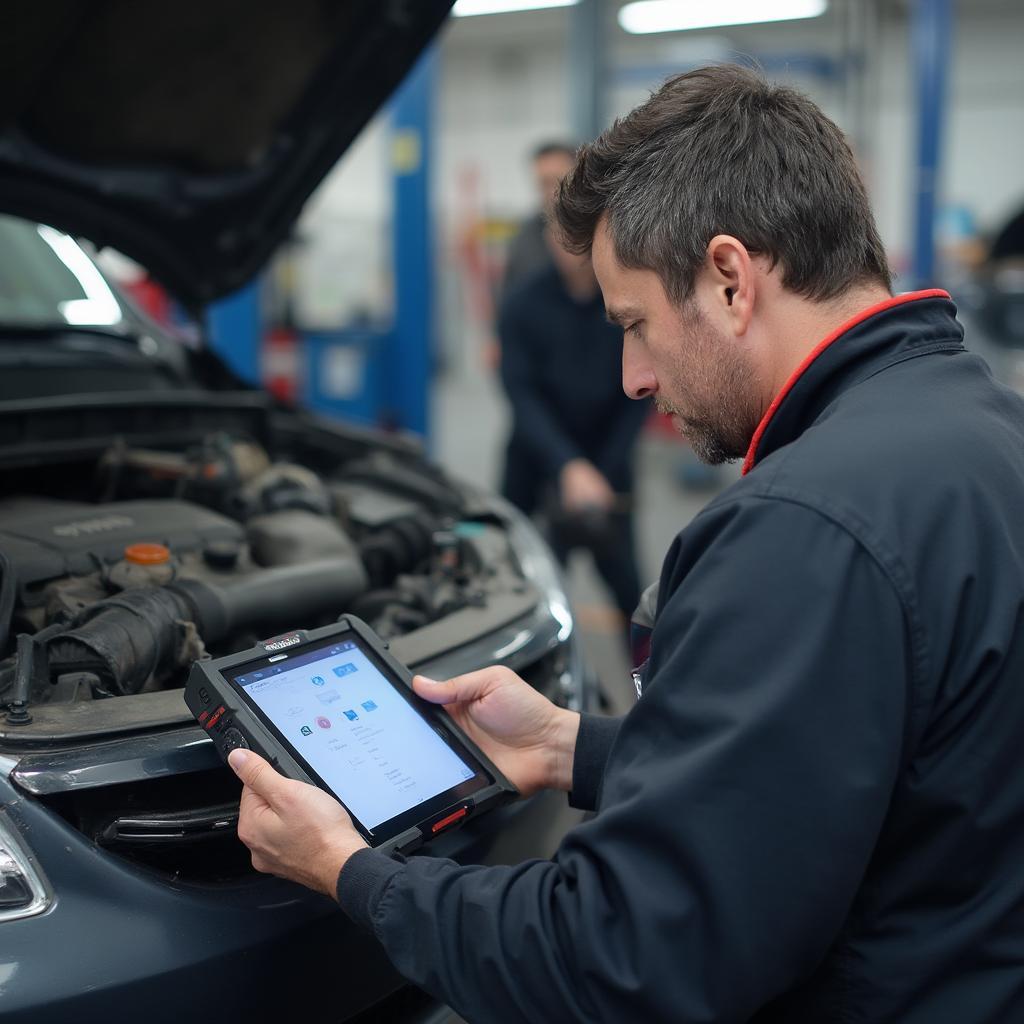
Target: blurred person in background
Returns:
[[574, 430], [530, 251]]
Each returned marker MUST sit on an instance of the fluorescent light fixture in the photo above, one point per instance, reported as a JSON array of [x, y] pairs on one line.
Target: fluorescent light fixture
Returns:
[[681, 15], [469, 8], [99, 307]]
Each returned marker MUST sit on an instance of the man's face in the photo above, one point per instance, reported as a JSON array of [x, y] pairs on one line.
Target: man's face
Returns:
[[697, 372], [548, 171]]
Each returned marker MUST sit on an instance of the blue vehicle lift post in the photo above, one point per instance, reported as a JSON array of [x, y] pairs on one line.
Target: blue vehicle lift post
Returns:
[[587, 68], [931, 30], [235, 328], [410, 362]]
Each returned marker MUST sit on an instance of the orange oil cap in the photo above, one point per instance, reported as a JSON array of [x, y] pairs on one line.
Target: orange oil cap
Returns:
[[147, 554]]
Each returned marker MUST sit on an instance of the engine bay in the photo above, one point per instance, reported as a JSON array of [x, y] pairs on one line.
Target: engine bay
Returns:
[[118, 574]]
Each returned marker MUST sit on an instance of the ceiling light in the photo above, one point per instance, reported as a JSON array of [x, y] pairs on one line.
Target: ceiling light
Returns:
[[467, 8], [680, 15]]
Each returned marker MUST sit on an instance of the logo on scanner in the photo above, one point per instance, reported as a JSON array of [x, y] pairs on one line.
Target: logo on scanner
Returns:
[[280, 643]]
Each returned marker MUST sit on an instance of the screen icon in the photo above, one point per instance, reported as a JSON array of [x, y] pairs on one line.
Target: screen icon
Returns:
[[351, 715], [344, 670], [368, 705], [306, 731], [318, 681], [323, 722]]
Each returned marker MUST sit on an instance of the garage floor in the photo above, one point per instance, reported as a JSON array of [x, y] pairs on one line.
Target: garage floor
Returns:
[[470, 423]]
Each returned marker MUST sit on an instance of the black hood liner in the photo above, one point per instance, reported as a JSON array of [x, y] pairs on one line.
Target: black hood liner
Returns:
[[188, 135]]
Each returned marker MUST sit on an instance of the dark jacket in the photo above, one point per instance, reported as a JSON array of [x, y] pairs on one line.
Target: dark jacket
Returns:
[[528, 254], [815, 812], [561, 365]]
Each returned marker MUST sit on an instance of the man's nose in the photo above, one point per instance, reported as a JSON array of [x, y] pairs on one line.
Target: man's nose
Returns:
[[638, 380]]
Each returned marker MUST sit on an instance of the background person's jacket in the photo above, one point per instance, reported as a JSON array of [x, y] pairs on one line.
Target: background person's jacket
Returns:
[[815, 812], [561, 367]]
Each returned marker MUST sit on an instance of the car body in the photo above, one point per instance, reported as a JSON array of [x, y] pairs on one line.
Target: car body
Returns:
[[124, 892]]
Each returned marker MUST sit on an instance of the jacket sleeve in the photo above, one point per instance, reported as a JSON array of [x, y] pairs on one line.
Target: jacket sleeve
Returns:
[[593, 745], [535, 422], [741, 801]]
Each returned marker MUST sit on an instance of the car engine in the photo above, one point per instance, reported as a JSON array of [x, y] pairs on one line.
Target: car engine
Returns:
[[200, 552]]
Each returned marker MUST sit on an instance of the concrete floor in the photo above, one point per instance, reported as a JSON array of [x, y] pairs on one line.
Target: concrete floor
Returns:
[[469, 427]]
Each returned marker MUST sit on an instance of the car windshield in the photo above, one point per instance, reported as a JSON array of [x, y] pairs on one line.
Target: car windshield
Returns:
[[48, 280]]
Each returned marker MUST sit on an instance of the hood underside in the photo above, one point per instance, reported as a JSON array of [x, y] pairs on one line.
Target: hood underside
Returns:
[[189, 135]]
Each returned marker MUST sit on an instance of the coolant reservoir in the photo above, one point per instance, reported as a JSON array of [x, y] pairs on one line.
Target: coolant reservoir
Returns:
[[143, 565]]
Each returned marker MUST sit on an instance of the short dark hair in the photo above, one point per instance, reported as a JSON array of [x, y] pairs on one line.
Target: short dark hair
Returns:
[[551, 148], [720, 150]]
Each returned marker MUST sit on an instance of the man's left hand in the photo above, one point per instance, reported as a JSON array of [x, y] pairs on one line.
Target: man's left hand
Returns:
[[294, 830]]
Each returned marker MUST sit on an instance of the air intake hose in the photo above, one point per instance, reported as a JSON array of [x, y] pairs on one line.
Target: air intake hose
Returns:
[[152, 631]]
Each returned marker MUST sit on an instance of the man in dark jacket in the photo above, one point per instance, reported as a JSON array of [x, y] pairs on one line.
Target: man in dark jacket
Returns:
[[530, 251], [815, 811], [574, 430]]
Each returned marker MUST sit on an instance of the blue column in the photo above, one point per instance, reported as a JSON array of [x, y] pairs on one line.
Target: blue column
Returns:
[[587, 70], [931, 30], [235, 331], [412, 349]]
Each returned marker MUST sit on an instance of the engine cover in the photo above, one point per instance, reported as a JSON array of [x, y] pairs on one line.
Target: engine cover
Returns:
[[46, 540]]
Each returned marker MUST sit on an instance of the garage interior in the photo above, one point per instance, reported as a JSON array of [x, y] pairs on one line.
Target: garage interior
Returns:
[[349, 287], [922, 89]]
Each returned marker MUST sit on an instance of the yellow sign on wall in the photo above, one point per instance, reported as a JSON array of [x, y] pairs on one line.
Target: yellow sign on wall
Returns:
[[406, 151]]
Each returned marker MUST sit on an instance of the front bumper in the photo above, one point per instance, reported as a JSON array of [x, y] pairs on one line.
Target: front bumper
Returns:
[[119, 942]]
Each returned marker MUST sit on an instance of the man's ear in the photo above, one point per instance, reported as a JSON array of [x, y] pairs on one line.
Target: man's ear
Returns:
[[731, 278]]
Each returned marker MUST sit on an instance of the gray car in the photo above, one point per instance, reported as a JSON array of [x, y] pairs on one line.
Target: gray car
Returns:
[[134, 468]]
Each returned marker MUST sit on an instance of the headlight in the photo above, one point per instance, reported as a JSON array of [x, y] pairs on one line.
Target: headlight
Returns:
[[23, 891], [539, 566]]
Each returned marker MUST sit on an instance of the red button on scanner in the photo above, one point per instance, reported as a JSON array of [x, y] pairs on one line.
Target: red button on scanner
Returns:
[[215, 717], [450, 820]]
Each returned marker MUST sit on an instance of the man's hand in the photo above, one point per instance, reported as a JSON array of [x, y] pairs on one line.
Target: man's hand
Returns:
[[582, 486], [528, 738], [294, 830]]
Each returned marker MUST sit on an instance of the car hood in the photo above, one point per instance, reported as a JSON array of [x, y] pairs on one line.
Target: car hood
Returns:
[[189, 135]]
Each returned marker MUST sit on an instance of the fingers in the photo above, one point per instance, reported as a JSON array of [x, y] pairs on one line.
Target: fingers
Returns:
[[256, 773], [471, 686]]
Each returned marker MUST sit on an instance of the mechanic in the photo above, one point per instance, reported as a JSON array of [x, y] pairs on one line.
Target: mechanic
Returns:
[[574, 431], [815, 810]]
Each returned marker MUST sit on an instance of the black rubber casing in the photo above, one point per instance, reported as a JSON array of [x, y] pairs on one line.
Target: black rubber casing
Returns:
[[230, 722]]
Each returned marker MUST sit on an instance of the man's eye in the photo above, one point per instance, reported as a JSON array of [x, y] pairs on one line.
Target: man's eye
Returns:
[[634, 328]]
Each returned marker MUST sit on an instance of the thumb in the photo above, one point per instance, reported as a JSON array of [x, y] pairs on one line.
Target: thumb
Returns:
[[256, 773], [471, 686]]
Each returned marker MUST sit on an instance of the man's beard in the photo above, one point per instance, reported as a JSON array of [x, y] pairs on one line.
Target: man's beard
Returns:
[[718, 390]]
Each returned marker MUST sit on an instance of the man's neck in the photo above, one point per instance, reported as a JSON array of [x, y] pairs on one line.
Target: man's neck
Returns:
[[801, 325]]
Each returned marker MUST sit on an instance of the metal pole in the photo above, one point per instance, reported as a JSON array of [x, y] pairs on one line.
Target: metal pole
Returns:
[[409, 368], [587, 67], [931, 30], [235, 330]]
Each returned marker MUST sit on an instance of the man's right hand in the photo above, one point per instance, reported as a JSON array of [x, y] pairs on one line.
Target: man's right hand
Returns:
[[529, 739], [582, 485]]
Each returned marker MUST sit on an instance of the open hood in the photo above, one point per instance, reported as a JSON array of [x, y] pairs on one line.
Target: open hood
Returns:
[[188, 135]]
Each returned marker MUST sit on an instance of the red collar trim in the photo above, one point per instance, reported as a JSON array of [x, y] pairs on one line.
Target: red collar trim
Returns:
[[880, 307]]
